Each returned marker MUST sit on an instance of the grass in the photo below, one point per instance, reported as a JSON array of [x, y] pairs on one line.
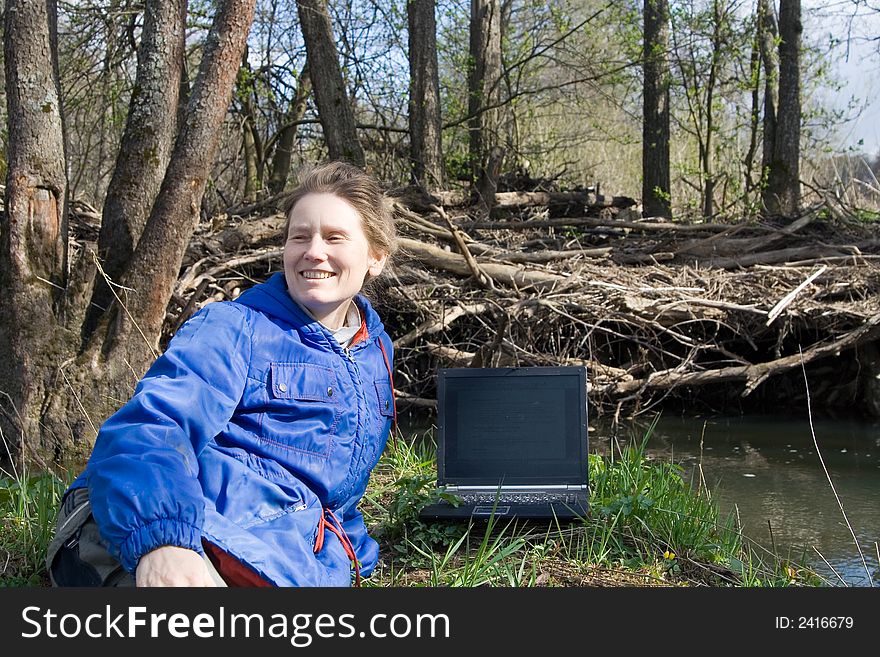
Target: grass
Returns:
[[647, 527], [28, 506]]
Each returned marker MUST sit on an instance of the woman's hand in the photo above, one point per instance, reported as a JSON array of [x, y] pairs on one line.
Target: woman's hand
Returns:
[[170, 565]]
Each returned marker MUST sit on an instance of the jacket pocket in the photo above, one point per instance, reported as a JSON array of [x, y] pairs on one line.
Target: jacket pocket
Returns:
[[304, 409], [302, 382], [385, 397]]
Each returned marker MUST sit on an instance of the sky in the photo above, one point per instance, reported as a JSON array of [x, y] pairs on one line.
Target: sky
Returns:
[[857, 66], [862, 77]]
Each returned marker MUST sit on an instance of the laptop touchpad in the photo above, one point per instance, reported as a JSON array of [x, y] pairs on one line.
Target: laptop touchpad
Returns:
[[489, 510]]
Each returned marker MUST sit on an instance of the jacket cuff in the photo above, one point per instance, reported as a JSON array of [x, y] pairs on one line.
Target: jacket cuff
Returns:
[[368, 555], [164, 531]]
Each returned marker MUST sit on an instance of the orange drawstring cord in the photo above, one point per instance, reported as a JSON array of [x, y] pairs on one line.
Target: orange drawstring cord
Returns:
[[347, 547], [337, 529]]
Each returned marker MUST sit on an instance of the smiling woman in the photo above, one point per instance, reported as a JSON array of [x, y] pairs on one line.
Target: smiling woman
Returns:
[[327, 257], [247, 446]]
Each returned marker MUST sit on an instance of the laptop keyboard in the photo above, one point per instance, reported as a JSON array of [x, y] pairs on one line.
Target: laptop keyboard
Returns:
[[518, 498]]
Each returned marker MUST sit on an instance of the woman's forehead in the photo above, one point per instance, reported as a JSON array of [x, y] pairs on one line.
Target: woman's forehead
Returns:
[[325, 211]]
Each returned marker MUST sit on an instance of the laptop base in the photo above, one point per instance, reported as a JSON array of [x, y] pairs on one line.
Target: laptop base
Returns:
[[445, 511]]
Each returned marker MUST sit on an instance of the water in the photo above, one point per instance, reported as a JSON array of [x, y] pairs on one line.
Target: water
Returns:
[[767, 471]]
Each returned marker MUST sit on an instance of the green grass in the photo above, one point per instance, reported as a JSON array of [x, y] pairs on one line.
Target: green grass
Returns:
[[647, 526], [28, 506], [645, 520]]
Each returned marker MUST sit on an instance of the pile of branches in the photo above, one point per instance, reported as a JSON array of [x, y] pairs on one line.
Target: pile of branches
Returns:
[[654, 309], [658, 311]]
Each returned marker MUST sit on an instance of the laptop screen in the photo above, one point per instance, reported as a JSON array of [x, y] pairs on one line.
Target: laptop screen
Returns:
[[516, 426]]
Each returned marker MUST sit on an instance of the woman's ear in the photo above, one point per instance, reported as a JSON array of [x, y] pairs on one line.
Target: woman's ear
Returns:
[[376, 265]]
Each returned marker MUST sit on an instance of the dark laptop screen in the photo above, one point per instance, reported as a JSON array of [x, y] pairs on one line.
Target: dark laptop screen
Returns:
[[518, 426]]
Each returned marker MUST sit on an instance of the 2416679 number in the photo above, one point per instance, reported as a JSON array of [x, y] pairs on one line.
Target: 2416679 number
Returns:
[[815, 623]]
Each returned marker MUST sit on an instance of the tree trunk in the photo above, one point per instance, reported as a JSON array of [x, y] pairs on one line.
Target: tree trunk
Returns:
[[287, 135], [754, 114], [484, 92], [707, 148], [334, 107], [68, 391], [249, 146], [145, 148], [783, 196], [33, 257], [767, 35], [251, 182], [156, 261], [655, 138], [424, 97]]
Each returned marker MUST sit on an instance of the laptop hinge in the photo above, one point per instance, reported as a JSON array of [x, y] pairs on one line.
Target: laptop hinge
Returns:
[[539, 487]]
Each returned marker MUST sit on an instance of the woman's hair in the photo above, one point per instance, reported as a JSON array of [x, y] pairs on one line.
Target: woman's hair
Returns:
[[358, 189]]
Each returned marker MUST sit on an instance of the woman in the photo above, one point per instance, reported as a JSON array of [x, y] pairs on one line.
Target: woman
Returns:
[[245, 449]]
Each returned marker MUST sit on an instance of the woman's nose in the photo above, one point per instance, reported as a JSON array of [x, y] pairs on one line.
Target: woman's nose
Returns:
[[316, 249]]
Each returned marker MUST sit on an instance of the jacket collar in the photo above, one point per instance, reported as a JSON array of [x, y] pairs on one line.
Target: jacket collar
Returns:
[[273, 299]]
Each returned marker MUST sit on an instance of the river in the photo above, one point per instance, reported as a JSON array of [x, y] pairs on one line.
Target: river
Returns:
[[768, 471]]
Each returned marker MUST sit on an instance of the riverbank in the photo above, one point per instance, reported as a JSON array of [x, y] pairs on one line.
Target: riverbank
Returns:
[[692, 314], [647, 527], [797, 484]]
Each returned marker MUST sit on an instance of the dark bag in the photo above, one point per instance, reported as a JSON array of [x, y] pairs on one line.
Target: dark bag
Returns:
[[77, 555]]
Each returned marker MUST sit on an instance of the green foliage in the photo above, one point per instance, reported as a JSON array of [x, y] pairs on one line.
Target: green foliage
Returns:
[[644, 518], [662, 194], [410, 537], [458, 166], [497, 558], [403, 483], [28, 507]]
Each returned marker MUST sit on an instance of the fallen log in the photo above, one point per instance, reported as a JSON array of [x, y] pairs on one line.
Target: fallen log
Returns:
[[753, 375], [511, 200], [422, 201], [723, 244], [594, 222], [508, 275], [538, 257], [776, 257], [436, 325]]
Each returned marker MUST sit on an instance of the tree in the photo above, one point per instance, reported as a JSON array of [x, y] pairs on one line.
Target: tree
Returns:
[[334, 107], [285, 138], [782, 128], [33, 254], [707, 154], [655, 117], [252, 143], [145, 149], [484, 91], [713, 75], [424, 104], [65, 386]]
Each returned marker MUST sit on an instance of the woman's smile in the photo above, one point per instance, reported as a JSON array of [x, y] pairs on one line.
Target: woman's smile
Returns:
[[314, 274]]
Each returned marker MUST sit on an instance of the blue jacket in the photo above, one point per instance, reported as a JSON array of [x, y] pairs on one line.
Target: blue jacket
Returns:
[[249, 425]]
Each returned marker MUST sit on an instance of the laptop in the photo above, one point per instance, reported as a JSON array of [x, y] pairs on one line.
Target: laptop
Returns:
[[512, 442]]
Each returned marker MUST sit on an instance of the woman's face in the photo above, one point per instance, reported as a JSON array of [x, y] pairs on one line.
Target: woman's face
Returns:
[[327, 256]]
